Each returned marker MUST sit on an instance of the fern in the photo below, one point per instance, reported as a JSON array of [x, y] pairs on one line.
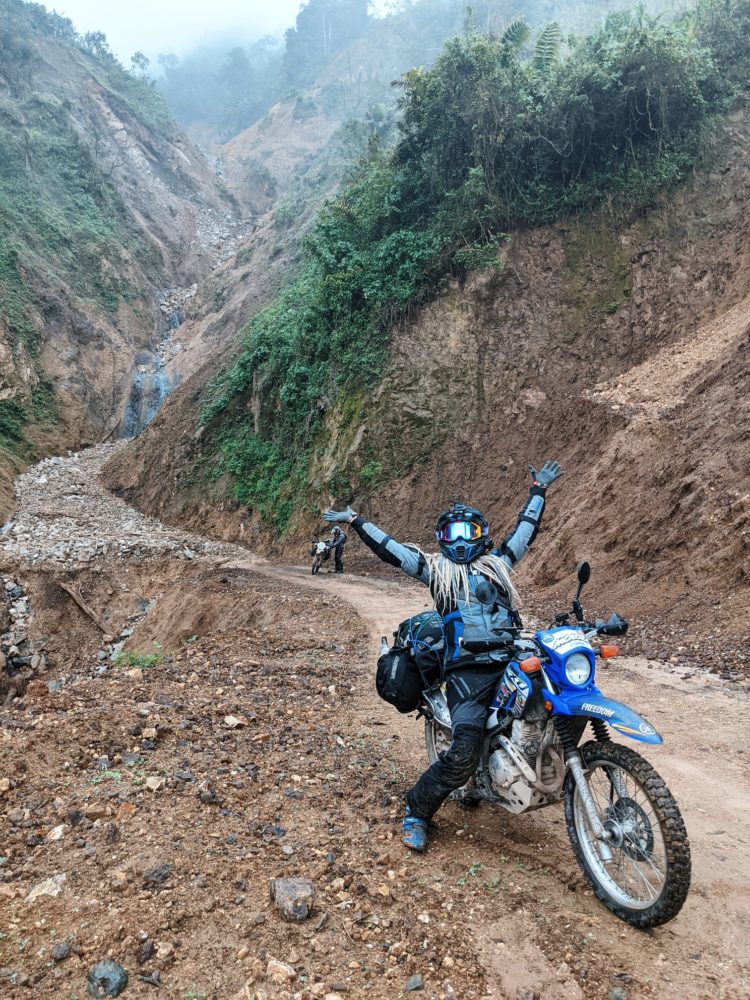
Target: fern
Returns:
[[516, 34], [470, 22], [547, 48]]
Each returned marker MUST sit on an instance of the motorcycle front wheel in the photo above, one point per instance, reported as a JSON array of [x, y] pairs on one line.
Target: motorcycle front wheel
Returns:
[[646, 880]]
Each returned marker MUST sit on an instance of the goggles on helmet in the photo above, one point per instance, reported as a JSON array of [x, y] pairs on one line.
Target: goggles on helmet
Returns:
[[467, 531]]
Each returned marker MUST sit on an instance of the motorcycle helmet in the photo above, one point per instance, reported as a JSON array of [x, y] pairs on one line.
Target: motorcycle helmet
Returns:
[[462, 533]]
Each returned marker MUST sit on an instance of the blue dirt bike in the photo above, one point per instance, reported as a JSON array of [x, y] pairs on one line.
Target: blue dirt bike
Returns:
[[624, 825]]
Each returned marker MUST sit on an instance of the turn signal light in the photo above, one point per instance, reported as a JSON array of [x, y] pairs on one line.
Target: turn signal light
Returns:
[[530, 665], [607, 652]]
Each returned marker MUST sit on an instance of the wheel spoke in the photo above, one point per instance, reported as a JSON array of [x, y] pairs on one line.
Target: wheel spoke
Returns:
[[650, 890], [636, 874], [658, 872]]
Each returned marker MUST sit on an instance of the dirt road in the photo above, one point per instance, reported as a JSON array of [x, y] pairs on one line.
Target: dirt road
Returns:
[[497, 906], [706, 762]]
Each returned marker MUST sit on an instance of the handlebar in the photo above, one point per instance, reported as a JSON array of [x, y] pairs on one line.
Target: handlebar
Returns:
[[504, 641], [615, 626]]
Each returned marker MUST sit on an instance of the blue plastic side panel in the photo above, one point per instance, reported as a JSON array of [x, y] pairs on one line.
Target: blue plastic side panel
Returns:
[[594, 705]]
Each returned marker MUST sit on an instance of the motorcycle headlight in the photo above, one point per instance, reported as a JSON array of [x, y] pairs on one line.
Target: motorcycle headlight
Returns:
[[577, 668]]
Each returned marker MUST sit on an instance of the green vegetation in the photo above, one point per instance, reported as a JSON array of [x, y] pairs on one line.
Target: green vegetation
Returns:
[[322, 28], [13, 418], [227, 89], [107, 775], [14, 299], [59, 213], [15, 414], [61, 221], [144, 661], [24, 26], [487, 141], [136, 95]]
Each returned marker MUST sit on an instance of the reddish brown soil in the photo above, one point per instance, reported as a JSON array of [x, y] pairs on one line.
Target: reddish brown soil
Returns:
[[312, 785]]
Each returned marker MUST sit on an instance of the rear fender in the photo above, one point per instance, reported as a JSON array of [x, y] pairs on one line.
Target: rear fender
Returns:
[[434, 700], [592, 704]]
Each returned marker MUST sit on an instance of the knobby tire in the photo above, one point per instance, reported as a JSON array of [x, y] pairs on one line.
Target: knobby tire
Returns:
[[677, 847]]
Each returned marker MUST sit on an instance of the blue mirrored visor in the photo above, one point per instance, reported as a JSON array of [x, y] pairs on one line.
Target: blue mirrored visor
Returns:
[[466, 531]]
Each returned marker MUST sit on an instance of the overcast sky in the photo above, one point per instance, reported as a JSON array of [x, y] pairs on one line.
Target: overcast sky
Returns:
[[154, 26]]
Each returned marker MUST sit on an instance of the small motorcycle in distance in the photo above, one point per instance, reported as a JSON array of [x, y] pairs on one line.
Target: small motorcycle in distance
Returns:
[[319, 552], [623, 823]]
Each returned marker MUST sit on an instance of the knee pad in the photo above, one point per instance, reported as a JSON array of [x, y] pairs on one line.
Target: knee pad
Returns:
[[464, 752]]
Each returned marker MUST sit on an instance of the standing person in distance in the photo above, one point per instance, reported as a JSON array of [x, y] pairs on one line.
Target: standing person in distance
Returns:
[[336, 545]]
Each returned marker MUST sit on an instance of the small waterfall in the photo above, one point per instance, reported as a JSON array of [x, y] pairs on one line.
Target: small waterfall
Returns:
[[147, 394], [150, 382]]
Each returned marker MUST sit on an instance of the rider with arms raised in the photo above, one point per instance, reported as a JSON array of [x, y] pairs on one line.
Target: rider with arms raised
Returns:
[[471, 585]]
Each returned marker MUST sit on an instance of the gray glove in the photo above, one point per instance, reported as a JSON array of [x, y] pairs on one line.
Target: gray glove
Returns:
[[546, 476], [340, 516]]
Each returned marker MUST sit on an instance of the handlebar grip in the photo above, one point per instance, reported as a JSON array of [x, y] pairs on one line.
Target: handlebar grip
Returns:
[[616, 626]]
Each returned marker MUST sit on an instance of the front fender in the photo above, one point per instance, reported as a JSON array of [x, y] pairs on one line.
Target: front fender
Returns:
[[592, 704]]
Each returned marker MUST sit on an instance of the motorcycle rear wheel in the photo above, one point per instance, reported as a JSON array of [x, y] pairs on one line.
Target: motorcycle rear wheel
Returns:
[[648, 878], [436, 738]]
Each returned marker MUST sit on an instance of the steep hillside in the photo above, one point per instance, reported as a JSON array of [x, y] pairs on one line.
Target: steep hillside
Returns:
[[338, 112], [622, 350], [106, 213]]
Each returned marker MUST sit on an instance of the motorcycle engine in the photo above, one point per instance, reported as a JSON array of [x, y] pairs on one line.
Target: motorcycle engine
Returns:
[[509, 782], [527, 736], [503, 771]]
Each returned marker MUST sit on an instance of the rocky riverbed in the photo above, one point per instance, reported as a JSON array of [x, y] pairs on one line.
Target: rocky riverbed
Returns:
[[65, 518]]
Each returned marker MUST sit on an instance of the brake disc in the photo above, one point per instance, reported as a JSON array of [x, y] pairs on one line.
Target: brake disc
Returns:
[[632, 829]]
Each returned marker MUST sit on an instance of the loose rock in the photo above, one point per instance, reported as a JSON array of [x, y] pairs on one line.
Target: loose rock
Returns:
[[159, 873], [107, 979], [279, 972], [49, 887], [293, 897], [60, 951], [234, 722]]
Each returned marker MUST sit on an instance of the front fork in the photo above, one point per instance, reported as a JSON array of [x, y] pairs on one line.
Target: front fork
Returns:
[[574, 761]]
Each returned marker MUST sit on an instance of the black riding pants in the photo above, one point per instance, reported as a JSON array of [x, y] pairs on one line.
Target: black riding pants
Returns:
[[469, 693]]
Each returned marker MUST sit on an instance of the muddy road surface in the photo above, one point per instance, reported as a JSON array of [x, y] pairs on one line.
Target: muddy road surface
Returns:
[[149, 799]]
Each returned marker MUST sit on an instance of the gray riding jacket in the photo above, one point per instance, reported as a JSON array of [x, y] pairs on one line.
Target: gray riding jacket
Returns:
[[473, 619]]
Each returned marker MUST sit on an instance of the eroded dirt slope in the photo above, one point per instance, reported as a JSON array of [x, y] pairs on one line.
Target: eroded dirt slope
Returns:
[[168, 795], [123, 211]]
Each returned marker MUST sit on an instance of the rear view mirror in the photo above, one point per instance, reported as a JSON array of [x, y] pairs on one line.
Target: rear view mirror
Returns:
[[584, 572]]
